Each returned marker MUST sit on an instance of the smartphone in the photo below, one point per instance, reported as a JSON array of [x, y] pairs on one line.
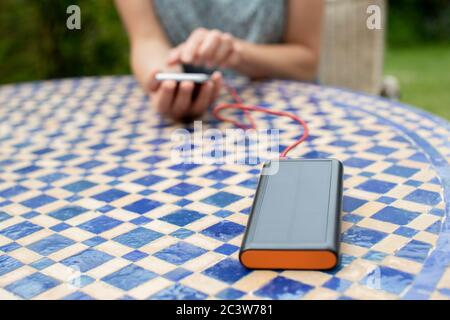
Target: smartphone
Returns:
[[178, 77], [295, 217]]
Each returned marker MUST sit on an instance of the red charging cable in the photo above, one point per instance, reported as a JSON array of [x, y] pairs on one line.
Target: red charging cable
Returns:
[[238, 104]]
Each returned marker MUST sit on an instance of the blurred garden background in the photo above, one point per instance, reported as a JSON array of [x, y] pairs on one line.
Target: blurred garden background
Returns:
[[35, 44]]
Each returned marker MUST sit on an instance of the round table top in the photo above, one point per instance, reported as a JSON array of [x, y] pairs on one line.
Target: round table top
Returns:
[[91, 205]]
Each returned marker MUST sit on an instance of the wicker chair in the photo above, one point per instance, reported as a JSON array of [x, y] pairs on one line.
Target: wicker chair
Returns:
[[352, 54]]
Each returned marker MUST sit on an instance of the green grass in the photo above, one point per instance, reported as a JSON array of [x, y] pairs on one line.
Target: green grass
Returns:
[[424, 75]]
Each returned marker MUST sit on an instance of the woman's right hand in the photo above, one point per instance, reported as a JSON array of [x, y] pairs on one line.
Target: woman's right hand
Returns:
[[173, 100], [176, 100]]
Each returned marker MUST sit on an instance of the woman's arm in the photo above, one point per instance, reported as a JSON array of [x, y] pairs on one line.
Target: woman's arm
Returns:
[[298, 57], [149, 45]]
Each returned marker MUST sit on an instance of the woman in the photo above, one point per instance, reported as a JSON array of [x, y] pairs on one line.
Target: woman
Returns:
[[256, 38]]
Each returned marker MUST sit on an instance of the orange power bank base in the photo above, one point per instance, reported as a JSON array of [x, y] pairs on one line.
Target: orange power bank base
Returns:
[[295, 218]]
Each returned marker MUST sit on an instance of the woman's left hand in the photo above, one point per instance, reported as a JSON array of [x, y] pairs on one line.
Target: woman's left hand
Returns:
[[210, 48]]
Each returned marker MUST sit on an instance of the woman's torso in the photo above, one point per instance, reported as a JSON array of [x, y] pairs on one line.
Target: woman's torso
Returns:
[[258, 21]]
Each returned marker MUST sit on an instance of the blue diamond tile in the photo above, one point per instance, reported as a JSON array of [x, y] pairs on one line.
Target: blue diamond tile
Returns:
[[177, 274], [4, 216], [110, 195], [401, 171], [99, 224], [382, 150], [353, 218], [78, 296], [90, 164], [38, 201], [415, 250], [224, 230], [135, 255], [124, 152], [141, 220], [376, 186], [413, 183], [67, 212], [373, 255], [386, 200], [342, 143], [230, 294], [42, 263], [149, 180], [395, 215], [94, 241], [118, 172], [182, 217], [350, 204], [10, 247], [366, 133], [228, 270], [337, 284], [13, 191], [182, 233], [79, 186], [388, 279], [357, 162], [8, 264], [52, 243], [143, 206], [138, 237], [32, 285], [424, 196], [20, 230], [283, 288], [30, 215], [435, 228], [227, 249], [52, 177], [179, 292], [60, 227], [362, 237], [182, 189], [221, 199], [406, 232], [180, 253], [87, 259], [27, 169], [219, 174], [129, 277]]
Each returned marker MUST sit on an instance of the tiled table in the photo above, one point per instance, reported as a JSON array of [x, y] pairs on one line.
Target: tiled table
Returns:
[[91, 205]]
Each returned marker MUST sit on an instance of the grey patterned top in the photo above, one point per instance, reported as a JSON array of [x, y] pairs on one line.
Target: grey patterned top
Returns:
[[258, 21]]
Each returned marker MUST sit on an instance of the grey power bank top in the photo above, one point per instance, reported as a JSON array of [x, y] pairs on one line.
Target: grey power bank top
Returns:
[[295, 218]]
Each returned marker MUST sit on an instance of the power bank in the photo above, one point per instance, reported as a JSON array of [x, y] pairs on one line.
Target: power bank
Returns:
[[295, 218]]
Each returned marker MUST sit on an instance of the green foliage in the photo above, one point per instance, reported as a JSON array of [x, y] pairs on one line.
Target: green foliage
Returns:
[[418, 21], [36, 43]]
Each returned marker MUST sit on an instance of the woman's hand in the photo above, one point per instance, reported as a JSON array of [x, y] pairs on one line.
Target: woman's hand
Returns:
[[178, 101], [210, 48]]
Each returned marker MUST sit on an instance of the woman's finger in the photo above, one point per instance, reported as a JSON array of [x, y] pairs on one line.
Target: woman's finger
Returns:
[[182, 100], [175, 55], [203, 99], [224, 50], [217, 80], [153, 84], [164, 96], [208, 48], [191, 45]]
